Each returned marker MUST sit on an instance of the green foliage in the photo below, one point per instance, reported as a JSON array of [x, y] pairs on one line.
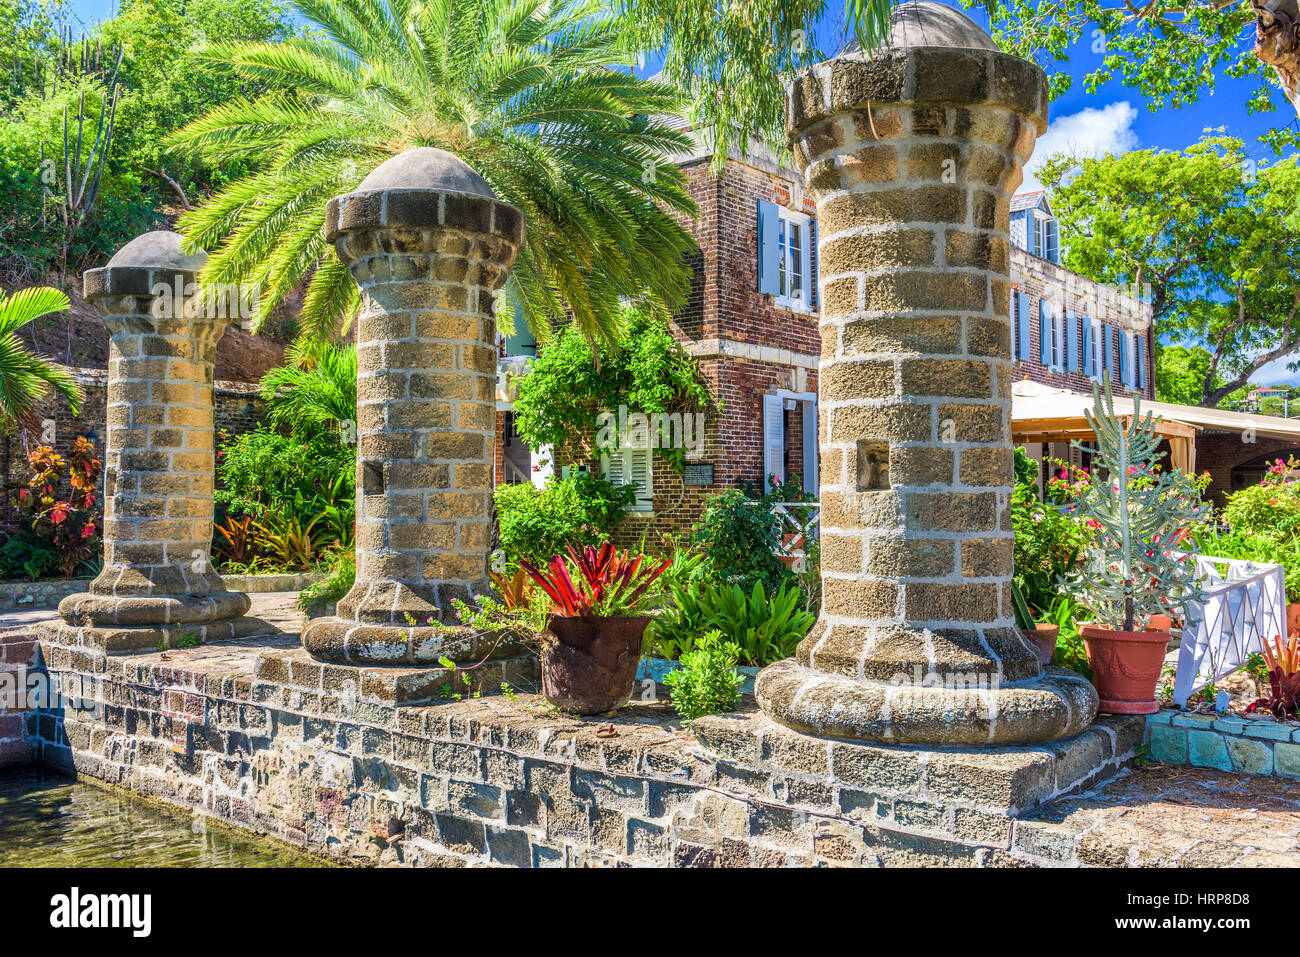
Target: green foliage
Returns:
[[569, 385], [531, 94], [1026, 469], [1213, 234], [1047, 544], [739, 536], [316, 400], [24, 556], [1168, 50], [264, 471], [764, 629], [581, 510], [1066, 613], [1136, 513], [706, 682], [26, 379], [162, 83], [1181, 374], [1020, 608]]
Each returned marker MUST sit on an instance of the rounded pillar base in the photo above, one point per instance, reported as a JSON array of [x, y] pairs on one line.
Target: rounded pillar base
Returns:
[[136, 610], [1058, 704], [357, 643]]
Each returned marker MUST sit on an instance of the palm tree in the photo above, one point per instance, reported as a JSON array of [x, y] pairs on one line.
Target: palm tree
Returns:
[[534, 95], [26, 378], [314, 400]]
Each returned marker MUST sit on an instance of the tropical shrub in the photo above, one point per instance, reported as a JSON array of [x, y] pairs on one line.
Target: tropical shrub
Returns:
[[26, 379], [707, 681], [264, 470], [740, 536], [1269, 510], [602, 582], [1047, 545], [1282, 661], [338, 581], [582, 510], [60, 507], [764, 628]]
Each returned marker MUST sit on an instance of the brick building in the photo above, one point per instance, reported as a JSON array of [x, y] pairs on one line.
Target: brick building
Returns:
[[752, 323]]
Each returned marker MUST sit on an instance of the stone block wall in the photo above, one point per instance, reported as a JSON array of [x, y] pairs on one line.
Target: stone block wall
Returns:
[[19, 657], [1225, 743], [260, 736]]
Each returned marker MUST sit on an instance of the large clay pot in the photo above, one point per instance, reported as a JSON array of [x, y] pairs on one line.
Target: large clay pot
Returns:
[[1043, 637], [590, 668], [1125, 668], [1293, 617]]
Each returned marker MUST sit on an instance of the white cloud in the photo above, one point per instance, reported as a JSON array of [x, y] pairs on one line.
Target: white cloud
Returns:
[[1090, 132]]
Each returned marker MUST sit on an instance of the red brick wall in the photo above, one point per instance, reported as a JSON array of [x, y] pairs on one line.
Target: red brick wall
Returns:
[[1220, 452]]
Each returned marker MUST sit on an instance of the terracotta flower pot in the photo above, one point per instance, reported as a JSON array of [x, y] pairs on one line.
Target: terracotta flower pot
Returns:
[[591, 666], [1043, 637], [1159, 623], [1125, 667], [1293, 617]]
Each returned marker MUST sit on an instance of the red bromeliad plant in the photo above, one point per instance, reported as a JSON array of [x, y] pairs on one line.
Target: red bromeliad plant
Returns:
[[609, 584], [1283, 677]]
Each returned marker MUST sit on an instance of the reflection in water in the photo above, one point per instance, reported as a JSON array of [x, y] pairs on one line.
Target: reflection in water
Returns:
[[48, 821]]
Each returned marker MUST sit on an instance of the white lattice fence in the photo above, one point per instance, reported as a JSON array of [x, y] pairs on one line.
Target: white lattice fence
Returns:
[[800, 524], [1241, 603]]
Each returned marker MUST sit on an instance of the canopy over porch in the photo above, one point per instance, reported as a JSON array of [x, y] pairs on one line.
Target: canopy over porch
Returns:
[[1041, 413]]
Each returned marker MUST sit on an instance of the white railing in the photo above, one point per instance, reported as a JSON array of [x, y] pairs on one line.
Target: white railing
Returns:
[[800, 521], [1241, 603]]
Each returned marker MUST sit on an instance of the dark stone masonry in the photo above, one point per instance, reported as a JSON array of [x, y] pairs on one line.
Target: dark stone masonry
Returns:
[[329, 758]]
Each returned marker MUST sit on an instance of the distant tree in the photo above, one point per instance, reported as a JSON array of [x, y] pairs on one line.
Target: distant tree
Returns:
[[1213, 235], [1180, 373]]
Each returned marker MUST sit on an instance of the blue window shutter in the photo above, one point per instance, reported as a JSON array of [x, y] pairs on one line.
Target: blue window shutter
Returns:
[[1071, 340], [1107, 361], [1140, 353], [1044, 332], [1122, 358], [769, 248], [1031, 232], [1053, 241], [1022, 318], [814, 285], [1086, 348]]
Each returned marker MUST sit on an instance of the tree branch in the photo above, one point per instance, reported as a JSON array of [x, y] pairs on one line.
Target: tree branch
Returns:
[[162, 175]]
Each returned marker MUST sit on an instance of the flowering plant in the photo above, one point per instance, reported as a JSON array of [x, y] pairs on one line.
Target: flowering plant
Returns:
[[69, 522]]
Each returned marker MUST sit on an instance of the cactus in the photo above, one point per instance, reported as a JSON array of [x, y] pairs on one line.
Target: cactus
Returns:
[[1136, 515]]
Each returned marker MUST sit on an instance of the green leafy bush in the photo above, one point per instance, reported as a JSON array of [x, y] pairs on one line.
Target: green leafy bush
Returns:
[[739, 535], [264, 471], [764, 628], [707, 681], [581, 510], [1047, 545], [336, 583]]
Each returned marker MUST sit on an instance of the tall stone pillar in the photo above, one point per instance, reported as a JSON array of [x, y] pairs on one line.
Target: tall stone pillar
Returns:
[[429, 245], [913, 155], [158, 583]]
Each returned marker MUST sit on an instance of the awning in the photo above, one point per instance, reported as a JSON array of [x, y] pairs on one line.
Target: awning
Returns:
[[1034, 404]]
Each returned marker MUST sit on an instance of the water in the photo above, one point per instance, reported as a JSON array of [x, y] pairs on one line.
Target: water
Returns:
[[48, 821]]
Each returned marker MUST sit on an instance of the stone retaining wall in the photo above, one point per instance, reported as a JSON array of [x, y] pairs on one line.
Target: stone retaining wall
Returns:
[[18, 654], [323, 756], [1225, 743]]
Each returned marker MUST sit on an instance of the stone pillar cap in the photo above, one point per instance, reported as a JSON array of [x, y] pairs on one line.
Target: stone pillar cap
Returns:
[[133, 270], [423, 188], [924, 23]]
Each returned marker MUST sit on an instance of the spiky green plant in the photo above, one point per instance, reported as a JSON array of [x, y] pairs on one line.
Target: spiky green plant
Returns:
[[535, 95], [1136, 515], [26, 378], [316, 398]]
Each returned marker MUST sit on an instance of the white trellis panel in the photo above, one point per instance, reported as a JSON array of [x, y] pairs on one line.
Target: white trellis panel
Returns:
[[1241, 603], [799, 523]]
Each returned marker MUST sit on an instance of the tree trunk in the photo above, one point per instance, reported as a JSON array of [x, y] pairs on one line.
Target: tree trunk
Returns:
[[1278, 44]]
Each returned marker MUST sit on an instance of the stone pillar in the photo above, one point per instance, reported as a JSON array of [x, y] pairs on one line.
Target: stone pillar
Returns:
[[913, 156], [429, 245], [158, 583]]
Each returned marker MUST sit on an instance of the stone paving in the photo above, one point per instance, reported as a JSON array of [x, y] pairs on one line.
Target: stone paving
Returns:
[[1173, 816]]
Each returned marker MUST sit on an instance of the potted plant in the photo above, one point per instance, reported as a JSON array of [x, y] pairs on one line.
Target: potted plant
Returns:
[[1041, 634], [1135, 514]]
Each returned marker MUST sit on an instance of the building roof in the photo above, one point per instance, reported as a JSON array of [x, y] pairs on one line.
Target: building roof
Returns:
[[1031, 200], [1033, 402]]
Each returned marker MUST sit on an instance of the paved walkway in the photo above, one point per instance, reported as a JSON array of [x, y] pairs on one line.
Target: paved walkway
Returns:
[[278, 607]]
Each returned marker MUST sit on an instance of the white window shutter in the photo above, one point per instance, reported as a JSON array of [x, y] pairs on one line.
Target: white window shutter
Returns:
[[811, 463], [773, 438], [640, 474]]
